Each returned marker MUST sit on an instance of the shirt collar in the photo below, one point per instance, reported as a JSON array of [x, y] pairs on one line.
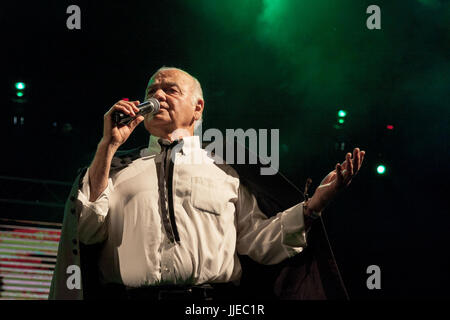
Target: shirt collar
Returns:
[[189, 144]]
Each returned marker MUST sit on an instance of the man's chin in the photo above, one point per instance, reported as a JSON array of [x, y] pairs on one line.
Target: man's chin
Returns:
[[159, 121], [157, 118], [157, 124]]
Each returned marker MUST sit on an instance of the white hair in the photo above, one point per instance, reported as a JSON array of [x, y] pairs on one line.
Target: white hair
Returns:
[[196, 95]]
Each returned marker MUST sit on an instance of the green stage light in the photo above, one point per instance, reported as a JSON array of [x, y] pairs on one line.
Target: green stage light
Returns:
[[20, 85], [341, 121], [342, 113], [19, 94], [381, 169]]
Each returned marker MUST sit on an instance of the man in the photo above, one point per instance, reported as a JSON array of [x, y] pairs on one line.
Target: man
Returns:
[[169, 227]]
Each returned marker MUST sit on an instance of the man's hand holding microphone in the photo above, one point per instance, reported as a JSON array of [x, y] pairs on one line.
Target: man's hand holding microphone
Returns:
[[114, 135]]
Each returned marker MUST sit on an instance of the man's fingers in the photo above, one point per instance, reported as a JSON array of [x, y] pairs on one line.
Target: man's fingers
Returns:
[[356, 160], [355, 152], [133, 105], [133, 124], [130, 107], [136, 103], [350, 164], [125, 108], [339, 177], [350, 167], [122, 108]]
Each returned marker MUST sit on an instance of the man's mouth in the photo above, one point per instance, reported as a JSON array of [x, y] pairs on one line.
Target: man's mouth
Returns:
[[160, 111], [161, 107]]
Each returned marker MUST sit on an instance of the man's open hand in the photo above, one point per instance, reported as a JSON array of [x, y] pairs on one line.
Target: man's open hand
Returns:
[[336, 181]]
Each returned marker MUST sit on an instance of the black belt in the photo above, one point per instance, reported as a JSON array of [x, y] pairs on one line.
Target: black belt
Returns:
[[186, 293], [204, 292]]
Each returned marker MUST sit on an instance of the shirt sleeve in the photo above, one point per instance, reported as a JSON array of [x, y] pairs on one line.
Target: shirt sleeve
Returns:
[[91, 223], [268, 240]]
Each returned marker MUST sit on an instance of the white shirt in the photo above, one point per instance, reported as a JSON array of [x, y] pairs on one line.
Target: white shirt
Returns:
[[216, 217]]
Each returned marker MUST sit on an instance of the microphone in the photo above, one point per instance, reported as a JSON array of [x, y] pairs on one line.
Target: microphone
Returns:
[[150, 106]]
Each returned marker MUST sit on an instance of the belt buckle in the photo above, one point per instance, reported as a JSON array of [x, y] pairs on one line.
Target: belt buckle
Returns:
[[176, 294], [204, 292]]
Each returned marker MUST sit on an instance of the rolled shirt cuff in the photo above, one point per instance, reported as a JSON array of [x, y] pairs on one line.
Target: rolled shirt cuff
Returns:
[[100, 205], [293, 230]]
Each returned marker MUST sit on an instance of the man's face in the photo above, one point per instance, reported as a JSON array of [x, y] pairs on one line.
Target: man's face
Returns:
[[174, 90]]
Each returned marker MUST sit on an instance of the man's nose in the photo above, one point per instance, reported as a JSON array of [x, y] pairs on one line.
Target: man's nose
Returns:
[[159, 95]]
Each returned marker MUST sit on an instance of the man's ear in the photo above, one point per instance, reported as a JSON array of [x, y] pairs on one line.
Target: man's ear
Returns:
[[198, 110]]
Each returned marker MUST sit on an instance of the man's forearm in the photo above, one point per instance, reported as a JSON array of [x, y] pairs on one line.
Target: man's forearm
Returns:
[[99, 169]]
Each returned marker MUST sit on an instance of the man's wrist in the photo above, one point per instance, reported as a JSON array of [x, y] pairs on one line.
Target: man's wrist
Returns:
[[106, 147], [309, 211]]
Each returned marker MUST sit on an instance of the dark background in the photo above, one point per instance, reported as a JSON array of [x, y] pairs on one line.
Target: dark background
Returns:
[[262, 64]]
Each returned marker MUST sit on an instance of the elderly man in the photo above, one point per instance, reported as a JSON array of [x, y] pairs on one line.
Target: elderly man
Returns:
[[169, 228]]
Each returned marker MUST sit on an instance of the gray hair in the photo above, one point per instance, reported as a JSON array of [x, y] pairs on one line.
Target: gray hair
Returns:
[[197, 94]]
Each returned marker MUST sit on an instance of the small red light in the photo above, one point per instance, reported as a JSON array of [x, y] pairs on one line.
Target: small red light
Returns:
[[390, 127]]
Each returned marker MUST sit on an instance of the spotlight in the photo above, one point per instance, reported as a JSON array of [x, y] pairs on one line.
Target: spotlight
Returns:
[[20, 85], [381, 169], [342, 113]]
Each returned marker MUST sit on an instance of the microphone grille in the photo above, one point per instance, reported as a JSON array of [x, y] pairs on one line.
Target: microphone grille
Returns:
[[155, 103]]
